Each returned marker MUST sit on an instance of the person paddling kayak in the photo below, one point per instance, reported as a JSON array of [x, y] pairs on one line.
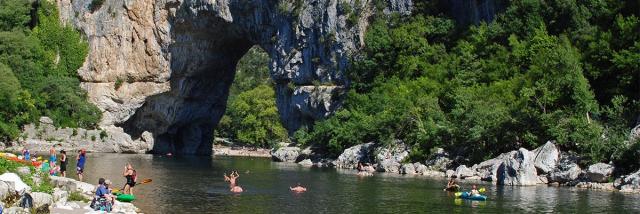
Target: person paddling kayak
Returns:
[[474, 191]]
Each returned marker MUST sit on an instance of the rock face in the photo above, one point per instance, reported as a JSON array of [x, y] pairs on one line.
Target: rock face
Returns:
[[600, 172], [463, 172], [408, 169], [43, 136], [349, 159], [286, 154], [630, 183], [567, 169], [389, 158], [165, 66], [41, 200], [546, 157], [439, 160], [518, 169]]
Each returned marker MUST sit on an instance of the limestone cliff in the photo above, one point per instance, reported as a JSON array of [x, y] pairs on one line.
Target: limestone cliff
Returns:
[[165, 66]]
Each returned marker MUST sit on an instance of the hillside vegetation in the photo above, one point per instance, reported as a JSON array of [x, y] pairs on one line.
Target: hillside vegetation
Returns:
[[558, 70], [39, 59]]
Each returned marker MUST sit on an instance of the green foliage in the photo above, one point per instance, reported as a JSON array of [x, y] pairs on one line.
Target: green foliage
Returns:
[[77, 196], [543, 70], [252, 117], [103, 134], [38, 69], [14, 14], [118, 83]]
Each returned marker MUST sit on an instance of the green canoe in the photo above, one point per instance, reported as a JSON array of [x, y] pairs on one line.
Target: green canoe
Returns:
[[125, 198]]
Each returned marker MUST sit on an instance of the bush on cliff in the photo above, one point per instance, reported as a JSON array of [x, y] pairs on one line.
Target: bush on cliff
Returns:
[[43, 56]]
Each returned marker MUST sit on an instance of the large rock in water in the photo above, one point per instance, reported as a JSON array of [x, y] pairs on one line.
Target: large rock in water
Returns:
[[408, 169], [630, 183], [518, 170], [390, 157], [463, 172], [546, 157], [600, 172], [286, 154], [165, 66], [567, 169], [350, 158]]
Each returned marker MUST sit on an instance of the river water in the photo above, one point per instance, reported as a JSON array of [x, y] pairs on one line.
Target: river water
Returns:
[[196, 185]]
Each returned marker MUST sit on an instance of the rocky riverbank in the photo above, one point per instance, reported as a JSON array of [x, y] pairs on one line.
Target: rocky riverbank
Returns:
[[546, 165], [42, 136], [241, 151], [50, 194]]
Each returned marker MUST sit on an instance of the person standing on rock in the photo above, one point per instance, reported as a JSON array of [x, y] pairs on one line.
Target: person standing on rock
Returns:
[[82, 158], [63, 163], [26, 154], [52, 157]]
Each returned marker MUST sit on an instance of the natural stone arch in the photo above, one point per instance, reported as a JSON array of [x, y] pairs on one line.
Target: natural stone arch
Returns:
[[178, 59]]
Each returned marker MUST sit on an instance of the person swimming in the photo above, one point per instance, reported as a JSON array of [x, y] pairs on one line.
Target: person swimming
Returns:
[[474, 190], [233, 176], [298, 188]]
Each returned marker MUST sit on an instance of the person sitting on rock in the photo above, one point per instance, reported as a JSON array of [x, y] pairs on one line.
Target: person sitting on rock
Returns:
[[109, 195], [298, 189], [101, 194]]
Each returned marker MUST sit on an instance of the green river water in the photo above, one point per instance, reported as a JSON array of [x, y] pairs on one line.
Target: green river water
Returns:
[[196, 185]]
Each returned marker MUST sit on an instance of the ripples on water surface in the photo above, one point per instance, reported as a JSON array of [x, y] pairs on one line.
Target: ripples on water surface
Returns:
[[196, 185]]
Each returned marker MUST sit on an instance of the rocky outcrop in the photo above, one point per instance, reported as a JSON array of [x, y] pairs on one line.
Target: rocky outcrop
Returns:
[[463, 172], [361, 153], [439, 160], [166, 66], [518, 169], [407, 168], [43, 136], [630, 183], [41, 201], [546, 157], [567, 169], [390, 157], [600, 172], [286, 154]]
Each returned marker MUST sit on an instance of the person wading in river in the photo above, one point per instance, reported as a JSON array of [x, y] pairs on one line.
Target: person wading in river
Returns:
[[298, 189], [233, 187], [82, 158], [131, 176], [63, 163]]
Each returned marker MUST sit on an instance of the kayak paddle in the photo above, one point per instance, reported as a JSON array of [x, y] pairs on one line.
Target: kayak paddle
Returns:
[[145, 181]]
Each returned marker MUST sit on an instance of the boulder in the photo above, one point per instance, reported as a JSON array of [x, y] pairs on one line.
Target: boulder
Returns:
[[488, 170], [14, 181], [126, 208], [390, 157], [463, 172], [306, 162], [361, 153], [71, 185], [5, 190], [286, 154], [450, 173], [635, 134], [599, 172], [389, 165], [408, 169], [23, 170], [60, 195], [592, 185], [630, 183], [433, 173], [546, 157], [566, 170], [42, 201], [16, 210], [439, 160], [420, 168], [518, 170]]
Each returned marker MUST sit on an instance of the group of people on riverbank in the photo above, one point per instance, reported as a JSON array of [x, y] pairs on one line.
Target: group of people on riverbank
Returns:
[[52, 167], [232, 178]]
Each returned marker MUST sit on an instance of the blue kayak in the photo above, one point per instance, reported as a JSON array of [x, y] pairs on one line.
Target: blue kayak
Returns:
[[468, 196]]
